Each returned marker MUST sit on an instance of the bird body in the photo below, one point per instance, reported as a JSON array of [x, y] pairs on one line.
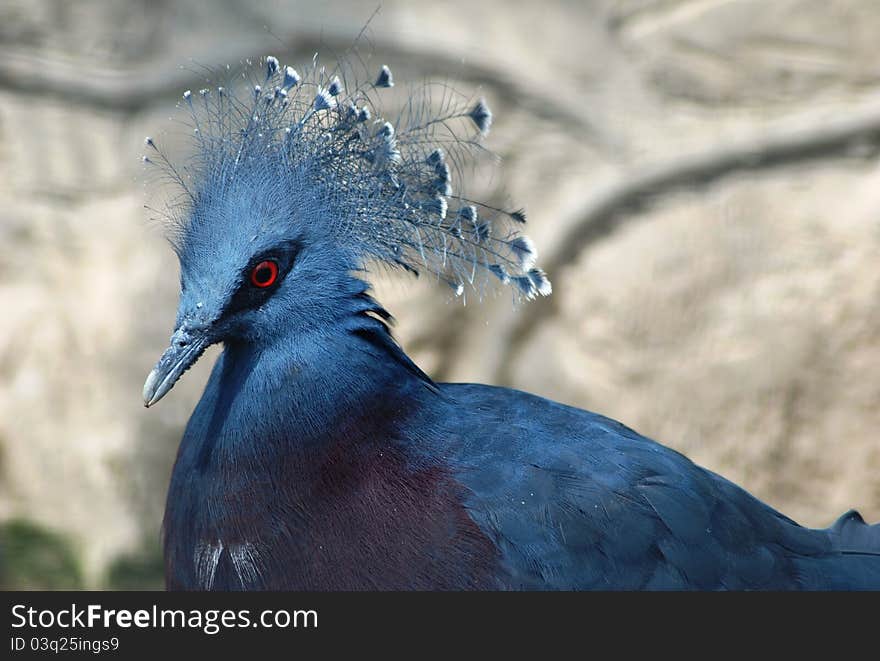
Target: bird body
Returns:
[[321, 457], [375, 478]]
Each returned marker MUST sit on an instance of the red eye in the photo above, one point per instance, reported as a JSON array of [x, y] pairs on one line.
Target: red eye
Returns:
[[264, 274]]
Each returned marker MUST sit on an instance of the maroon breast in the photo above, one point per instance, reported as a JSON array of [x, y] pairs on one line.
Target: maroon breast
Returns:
[[355, 519]]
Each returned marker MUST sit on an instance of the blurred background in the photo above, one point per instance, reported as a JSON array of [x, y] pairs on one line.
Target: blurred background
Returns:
[[701, 176]]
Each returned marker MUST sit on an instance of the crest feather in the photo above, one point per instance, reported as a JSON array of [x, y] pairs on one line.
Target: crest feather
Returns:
[[384, 189]]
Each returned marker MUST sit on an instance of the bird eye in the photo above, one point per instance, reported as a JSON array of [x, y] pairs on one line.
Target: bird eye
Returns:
[[264, 274]]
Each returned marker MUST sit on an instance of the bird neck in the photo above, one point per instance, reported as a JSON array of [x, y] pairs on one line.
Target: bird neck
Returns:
[[305, 394], [286, 436]]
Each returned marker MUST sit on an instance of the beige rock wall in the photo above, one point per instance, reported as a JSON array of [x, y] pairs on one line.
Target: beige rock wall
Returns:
[[701, 178]]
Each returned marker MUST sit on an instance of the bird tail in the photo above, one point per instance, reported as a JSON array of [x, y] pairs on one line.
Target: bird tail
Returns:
[[854, 561], [851, 534]]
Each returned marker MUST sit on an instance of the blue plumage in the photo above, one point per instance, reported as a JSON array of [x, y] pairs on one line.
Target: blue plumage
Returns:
[[321, 457]]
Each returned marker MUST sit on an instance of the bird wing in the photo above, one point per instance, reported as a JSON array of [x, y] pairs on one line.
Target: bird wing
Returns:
[[574, 500]]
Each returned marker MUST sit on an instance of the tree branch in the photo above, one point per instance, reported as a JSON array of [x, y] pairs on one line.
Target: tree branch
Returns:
[[138, 88], [611, 206]]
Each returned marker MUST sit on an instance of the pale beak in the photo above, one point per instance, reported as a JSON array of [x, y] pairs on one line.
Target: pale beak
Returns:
[[187, 346]]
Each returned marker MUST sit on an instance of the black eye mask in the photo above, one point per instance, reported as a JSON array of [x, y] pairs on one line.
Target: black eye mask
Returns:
[[251, 292]]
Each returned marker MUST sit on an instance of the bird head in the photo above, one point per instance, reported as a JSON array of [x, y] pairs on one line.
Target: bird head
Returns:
[[298, 184]]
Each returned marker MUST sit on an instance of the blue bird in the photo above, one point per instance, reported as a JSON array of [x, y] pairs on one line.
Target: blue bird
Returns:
[[320, 457]]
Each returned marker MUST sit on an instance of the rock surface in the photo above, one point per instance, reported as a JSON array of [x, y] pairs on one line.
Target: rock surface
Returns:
[[730, 309]]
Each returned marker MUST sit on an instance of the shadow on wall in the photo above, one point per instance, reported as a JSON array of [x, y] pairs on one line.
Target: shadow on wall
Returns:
[[35, 558]]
